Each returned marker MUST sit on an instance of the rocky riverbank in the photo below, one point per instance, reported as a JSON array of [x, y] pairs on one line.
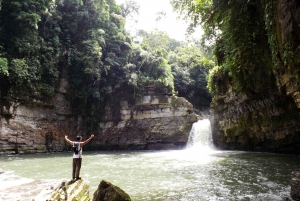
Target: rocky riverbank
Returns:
[[64, 190]]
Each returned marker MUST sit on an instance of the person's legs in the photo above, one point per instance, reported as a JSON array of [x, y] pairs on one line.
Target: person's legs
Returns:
[[73, 168], [78, 167]]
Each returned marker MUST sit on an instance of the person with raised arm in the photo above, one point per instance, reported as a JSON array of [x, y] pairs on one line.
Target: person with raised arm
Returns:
[[77, 156]]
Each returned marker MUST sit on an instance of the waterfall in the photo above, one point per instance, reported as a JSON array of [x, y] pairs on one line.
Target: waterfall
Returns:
[[200, 135]]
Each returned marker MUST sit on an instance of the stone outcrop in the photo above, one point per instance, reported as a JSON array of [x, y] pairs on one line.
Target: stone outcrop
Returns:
[[256, 123], [79, 190], [109, 192], [65, 191], [158, 121], [295, 185], [74, 190]]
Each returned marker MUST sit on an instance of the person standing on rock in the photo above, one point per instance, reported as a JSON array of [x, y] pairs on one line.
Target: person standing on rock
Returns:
[[77, 156]]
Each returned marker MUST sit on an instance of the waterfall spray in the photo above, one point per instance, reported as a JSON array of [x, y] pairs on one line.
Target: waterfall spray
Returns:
[[200, 135]]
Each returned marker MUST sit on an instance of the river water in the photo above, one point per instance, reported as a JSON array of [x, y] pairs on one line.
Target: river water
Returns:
[[196, 173]]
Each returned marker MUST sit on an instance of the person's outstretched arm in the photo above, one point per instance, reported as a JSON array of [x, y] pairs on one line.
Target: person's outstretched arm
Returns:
[[87, 141], [68, 141]]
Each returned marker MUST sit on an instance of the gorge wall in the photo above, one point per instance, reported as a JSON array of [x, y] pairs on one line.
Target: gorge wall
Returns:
[[268, 120], [158, 121], [256, 123]]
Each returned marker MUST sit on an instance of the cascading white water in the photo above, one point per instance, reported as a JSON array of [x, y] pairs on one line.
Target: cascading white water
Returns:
[[200, 135]]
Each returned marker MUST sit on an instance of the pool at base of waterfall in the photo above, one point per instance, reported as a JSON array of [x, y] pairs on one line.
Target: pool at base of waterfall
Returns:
[[198, 172]]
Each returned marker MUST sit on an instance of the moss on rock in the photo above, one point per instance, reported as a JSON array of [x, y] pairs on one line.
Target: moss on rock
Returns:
[[109, 192]]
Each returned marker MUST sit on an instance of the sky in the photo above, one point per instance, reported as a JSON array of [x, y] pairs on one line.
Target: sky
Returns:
[[175, 28]]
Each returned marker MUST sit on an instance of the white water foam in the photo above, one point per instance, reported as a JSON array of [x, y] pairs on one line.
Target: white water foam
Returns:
[[8, 180]]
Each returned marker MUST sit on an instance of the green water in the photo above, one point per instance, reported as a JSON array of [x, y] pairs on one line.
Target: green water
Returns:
[[185, 175], [198, 173]]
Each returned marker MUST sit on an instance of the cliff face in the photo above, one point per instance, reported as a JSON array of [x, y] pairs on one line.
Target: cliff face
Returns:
[[256, 123], [287, 76], [157, 122], [29, 126], [268, 120]]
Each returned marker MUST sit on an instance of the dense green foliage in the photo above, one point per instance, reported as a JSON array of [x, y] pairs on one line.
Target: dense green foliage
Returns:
[[43, 41], [190, 69], [152, 59], [245, 33], [22, 63], [184, 66], [85, 42]]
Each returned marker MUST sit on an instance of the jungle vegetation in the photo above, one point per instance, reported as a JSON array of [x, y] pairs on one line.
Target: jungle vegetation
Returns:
[[249, 47], [85, 41]]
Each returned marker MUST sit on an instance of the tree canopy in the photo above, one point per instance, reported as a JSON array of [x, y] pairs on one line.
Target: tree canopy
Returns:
[[243, 39], [86, 42]]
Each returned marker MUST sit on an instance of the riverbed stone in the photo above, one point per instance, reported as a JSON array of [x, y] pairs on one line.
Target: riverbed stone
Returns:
[[295, 185], [109, 192]]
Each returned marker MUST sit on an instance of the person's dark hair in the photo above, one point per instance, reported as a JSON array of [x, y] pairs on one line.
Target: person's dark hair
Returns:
[[78, 138]]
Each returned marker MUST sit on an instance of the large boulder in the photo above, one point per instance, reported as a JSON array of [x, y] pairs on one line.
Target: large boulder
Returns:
[[66, 191], [109, 192]]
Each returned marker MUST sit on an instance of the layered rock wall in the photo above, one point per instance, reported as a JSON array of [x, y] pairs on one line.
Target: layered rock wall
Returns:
[[157, 122], [30, 126], [256, 123]]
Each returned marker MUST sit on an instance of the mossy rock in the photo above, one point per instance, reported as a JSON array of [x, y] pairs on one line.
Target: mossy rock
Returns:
[[72, 190], [109, 192]]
